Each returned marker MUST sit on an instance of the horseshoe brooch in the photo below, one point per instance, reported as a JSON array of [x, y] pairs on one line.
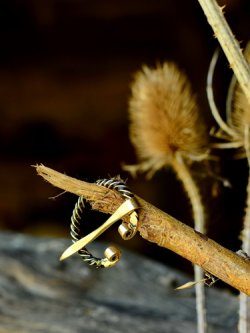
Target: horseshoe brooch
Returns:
[[126, 230]]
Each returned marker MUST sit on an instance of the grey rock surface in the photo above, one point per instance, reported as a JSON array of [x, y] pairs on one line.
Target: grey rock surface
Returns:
[[39, 294]]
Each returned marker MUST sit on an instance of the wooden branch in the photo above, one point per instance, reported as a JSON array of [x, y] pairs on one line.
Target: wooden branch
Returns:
[[162, 229]]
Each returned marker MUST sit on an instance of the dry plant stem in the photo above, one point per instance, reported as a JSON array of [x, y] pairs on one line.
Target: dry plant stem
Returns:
[[229, 44], [192, 191], [229, 100], [243, 314], [210, 96], [200, 300], [244, 309], [162, 229]]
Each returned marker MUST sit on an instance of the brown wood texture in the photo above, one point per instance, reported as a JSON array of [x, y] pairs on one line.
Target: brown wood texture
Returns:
[[164, 230]]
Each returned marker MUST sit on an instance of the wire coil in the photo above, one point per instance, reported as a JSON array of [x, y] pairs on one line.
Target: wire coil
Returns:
[[126, 230], [117, 185]]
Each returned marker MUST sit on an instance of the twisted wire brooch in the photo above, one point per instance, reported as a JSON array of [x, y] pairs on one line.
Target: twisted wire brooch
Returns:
[[126, 230]]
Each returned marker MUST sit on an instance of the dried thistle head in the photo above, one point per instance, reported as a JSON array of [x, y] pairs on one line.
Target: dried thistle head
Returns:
[[164, 118]]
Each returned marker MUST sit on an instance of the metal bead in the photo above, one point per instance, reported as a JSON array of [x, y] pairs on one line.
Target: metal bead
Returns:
[[125, 232], [112, 253]]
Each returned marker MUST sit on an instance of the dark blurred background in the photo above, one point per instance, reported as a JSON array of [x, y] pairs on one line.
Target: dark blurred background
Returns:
[[65, 71]]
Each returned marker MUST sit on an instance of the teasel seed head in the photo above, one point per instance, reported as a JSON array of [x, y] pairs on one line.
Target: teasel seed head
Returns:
[[164, 119]]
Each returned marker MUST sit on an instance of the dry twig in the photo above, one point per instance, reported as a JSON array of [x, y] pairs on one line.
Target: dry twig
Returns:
[[164, 230], [229, 44]]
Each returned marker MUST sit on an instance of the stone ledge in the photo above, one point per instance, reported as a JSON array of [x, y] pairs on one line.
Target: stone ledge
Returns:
[[39, 294]]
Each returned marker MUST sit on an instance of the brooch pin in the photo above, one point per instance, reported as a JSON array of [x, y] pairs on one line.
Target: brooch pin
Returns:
[[126, 230]]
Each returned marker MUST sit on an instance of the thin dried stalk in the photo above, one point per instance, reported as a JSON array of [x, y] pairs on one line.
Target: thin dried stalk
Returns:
[[164, 230], [229, 44], [228, 132], [240, 120], [183, 173], [229, 100], [193, 193], [210, 96], [244, 309], [240, 116]]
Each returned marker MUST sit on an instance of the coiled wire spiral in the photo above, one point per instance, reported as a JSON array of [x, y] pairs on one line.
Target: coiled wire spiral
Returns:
[[127, 231], [118, 185]]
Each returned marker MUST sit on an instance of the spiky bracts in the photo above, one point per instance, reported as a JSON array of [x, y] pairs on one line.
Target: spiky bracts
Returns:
[[164, 118]]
